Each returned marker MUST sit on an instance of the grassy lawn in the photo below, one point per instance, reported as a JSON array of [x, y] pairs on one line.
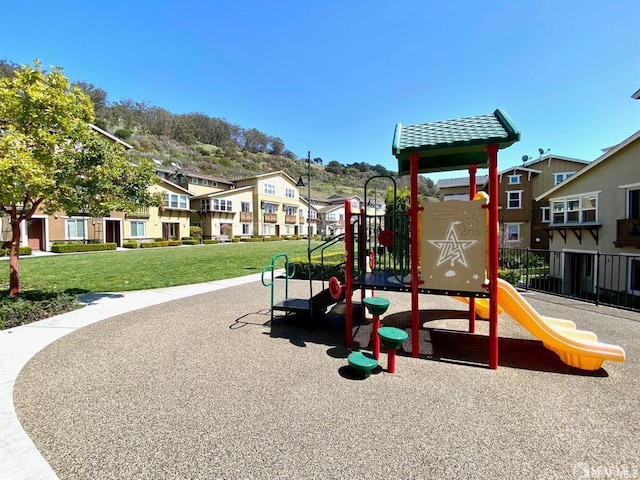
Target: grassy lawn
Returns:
[[149, 268]]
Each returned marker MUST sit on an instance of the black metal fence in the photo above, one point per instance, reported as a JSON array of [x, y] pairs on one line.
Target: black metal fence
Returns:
[[600, 278]]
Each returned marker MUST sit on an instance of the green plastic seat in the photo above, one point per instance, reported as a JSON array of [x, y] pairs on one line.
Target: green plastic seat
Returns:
[[376, 305], [392, 337], [361, 362]]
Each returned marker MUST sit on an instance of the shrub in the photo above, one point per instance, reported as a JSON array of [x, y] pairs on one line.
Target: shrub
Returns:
[[130, 244], [333, 267], [235, 239], [251, 239], [511, 276], [211, 241], [26, 250], [34, 305], [190, 241], [161, 243], [122, 134], [81, 247], [174, 243], [195, 232]]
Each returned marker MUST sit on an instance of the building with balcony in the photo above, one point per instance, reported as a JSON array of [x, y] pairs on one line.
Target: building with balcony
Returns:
[[597, 210]]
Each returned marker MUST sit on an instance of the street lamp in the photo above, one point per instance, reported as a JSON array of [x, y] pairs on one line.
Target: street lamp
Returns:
[[300, 183]]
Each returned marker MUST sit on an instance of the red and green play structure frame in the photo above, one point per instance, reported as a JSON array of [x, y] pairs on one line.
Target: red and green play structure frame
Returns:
[[464, 143]]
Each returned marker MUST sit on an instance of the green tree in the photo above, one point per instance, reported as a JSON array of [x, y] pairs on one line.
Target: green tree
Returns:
[[52, 160]]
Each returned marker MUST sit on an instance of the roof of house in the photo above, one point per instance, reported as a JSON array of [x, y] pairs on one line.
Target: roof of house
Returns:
[[196, 175], [269, 174], [636, 95], [452, 144], [598, 161], [222, 193], [460, 181], [110, 137], [174, 185]]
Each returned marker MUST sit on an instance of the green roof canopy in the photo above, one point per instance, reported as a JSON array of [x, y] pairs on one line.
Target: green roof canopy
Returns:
[[452, 144]]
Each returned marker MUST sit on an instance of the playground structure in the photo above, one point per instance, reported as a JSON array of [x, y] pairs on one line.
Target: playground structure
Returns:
[[448, 248]]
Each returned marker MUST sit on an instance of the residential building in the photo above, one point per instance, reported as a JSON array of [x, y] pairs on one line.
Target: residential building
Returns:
[[42, 230], [279, 210], [331, 213], [170, 221], [458, 188], [522, 220], [224, 214], [196, 183], [597, 211]]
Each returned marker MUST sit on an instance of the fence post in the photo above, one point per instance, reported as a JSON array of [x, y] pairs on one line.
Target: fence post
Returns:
[[597, 278], [526, 270]]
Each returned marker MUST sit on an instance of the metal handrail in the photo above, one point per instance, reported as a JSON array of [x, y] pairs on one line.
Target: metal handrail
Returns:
[[288, 273]]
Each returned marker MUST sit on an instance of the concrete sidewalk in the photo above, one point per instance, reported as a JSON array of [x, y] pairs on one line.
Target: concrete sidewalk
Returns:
[[19, 458]]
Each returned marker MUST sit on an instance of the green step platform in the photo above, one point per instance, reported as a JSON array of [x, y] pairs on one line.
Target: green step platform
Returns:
[[363, 363]]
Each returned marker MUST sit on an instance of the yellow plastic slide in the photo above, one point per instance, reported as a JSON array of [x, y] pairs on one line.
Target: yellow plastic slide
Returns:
[[577, 348]]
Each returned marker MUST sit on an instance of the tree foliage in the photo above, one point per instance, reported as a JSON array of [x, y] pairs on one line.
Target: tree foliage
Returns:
[[52, 160]]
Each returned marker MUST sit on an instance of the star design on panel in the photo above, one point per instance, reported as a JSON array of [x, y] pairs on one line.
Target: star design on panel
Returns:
[[452, 248]]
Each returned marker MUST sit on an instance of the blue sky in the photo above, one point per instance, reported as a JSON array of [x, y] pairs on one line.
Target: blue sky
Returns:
[[334, 77]]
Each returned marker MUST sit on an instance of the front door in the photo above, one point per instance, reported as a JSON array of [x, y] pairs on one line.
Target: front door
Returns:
[[35, 233], [112, 234]]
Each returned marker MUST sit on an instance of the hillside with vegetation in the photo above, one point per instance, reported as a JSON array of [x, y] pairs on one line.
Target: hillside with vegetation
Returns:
[[213, 146]]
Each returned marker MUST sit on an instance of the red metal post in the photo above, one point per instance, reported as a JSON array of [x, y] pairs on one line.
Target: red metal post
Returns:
[[391, 360], [472, 300], [415, 312], [348, 267], [375, 339], [492, 152]]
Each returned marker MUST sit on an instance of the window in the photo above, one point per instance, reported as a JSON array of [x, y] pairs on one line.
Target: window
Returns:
[[222, 205], [204, 181], [578, 209], [246, 229], [245, 207], [331, 217], [558, 212], [137, 229], [589, 209], [355, 205], [572, 211], [287, 229], [289, 193], [290, 210], [266, 229], [75, 228], [514, 199], [205, 205], [194, 180], [173, 200], [514, 179], [512, 231], [634, 205], [544, 211], [270, 208], [269, 189], [561, 177]]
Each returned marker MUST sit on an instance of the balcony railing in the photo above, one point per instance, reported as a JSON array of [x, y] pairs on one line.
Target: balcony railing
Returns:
[[139, 213], [290, 219], [628, 233], [246, 216], [270, 218]]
